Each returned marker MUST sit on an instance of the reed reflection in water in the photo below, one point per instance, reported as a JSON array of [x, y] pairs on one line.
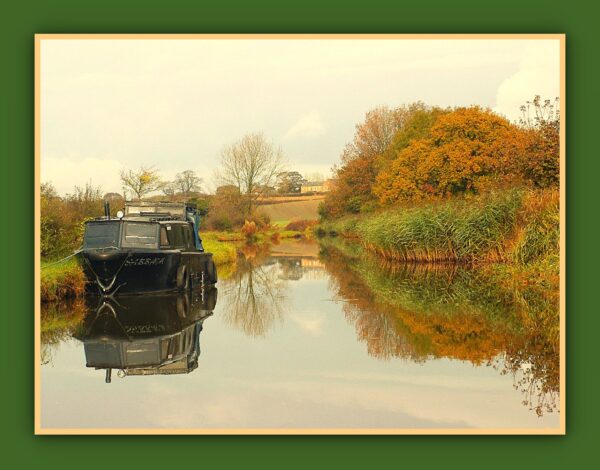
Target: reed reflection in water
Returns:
[[419, 312]]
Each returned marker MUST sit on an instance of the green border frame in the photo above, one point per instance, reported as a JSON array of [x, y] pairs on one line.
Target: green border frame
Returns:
[[19, 23]]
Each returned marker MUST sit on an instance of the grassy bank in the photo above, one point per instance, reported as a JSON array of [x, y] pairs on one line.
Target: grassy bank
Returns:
[[62, 280], [515, 226], [259, 237], [223, 253]]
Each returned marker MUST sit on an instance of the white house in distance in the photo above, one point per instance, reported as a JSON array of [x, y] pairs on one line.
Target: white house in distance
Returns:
[[316, 187]]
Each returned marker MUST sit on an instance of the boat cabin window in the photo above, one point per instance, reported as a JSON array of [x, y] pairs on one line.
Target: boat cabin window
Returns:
[[101, 235], [164, 237], [179, 236], [140, 235], [187, 232]]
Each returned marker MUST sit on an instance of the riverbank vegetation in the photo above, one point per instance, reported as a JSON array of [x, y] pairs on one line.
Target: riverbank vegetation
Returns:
[[61, 280], [426, 184], [517, 226]]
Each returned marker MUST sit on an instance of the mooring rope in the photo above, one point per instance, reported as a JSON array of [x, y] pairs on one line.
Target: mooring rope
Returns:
[[63, 259]]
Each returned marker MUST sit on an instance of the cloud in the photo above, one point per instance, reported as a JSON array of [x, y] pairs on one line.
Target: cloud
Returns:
[[309, 125], [538, 74]]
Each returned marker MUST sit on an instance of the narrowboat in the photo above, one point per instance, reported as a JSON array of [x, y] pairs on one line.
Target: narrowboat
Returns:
[[150, 247], [156, 334]]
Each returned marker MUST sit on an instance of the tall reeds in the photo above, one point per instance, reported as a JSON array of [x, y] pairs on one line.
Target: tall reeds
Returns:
[[514, 225]]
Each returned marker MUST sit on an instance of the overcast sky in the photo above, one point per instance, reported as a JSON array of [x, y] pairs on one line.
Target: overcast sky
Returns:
[[174, 104]]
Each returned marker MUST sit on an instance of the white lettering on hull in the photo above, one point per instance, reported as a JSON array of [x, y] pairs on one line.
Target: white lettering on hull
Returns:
[[144, 261]]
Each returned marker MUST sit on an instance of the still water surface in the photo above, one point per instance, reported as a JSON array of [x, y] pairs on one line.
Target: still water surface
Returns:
[[305, 336]]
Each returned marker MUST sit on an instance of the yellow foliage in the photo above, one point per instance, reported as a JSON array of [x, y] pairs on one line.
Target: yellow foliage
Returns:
[[249, 229], [464, 148]]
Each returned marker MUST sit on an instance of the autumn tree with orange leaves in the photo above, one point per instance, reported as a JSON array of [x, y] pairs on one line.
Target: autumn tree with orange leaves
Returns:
[[418, 152], [375, 141], [464, 149]]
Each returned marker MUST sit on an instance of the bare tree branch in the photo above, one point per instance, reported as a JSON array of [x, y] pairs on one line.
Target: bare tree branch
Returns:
[[251, 164]]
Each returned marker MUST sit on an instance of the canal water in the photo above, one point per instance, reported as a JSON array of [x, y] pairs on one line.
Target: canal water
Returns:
[[308, 335]]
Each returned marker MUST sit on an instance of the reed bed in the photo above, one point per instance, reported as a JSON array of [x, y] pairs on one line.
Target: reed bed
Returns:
[[539, 239], [506, 226]]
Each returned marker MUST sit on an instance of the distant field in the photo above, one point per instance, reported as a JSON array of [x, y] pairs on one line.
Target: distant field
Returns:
[[279, 199], [301, 208]]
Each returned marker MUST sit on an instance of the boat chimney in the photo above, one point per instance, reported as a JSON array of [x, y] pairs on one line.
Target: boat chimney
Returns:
[[107, 209]]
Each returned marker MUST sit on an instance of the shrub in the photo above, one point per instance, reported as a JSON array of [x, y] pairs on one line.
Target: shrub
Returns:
[[249, 230], [221, 222], [261, 220], [462, 147], [62, 218], [353, 204]]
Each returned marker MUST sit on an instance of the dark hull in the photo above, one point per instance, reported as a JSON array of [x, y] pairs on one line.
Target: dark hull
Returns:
[[111, 272]]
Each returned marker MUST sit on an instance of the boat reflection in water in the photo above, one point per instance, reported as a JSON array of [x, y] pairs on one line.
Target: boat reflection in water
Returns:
[[146, 335]]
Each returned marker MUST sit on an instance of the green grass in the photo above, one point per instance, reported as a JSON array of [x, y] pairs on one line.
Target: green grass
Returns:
[[280, 223], [62, 280], [224, 252], [215, 237]]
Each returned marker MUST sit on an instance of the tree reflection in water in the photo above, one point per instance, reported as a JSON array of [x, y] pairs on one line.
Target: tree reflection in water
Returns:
[[419, 312], [254, 295]]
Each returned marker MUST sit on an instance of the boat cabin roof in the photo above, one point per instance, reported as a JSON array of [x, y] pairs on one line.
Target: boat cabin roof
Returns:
[[142, 219], [161, 212], [172, 210]]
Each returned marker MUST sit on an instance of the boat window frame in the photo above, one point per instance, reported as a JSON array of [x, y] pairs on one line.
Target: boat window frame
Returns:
[[123, 243], [188, 235], [101, 223], [178, 227]]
